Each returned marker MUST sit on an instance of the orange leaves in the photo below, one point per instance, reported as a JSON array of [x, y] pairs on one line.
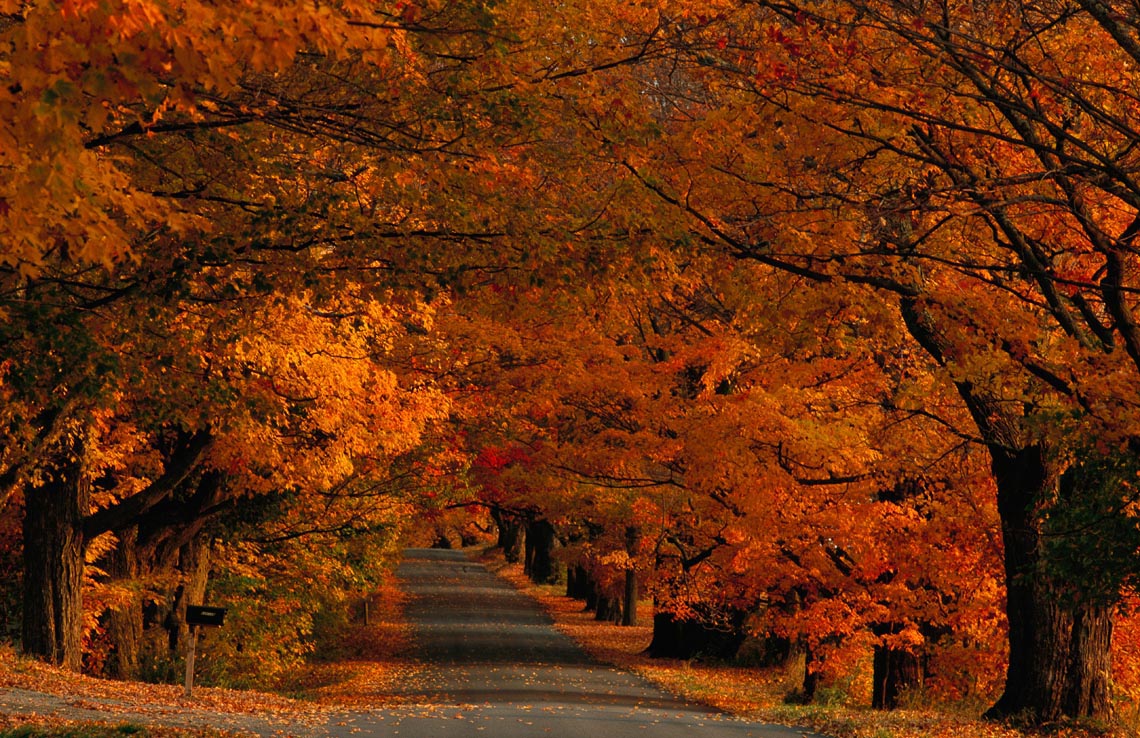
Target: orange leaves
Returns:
[[315, 381], [86, 74]]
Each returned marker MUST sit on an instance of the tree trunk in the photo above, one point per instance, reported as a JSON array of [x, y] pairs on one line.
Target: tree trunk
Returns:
[[629, 609], [578, 583], [1089, 688], [53, 566], [629, 612], [666, 641], [194, 563], [540, 540], [125, 620], [592, 596], [684, 639], [812, 675], [609, 609], [510, 537], [894, 671], [1060, 650]]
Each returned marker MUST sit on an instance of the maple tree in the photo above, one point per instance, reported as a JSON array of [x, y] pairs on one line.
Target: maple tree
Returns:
[[305, 411], [187, 155], [923, 174], [661, 419], [698, 283]]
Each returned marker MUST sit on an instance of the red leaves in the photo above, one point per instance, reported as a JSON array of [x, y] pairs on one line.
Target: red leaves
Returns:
[[777, 36]]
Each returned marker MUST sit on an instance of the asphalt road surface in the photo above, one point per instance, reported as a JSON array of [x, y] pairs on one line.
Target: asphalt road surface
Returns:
[[495, 666], [492, 666]]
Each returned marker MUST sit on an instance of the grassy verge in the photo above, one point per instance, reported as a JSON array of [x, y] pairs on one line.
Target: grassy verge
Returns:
[[362, 665], [759, 693], [94, 730]]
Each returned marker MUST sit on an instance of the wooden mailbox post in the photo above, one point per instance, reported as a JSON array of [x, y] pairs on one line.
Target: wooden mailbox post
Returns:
[[197, 616]]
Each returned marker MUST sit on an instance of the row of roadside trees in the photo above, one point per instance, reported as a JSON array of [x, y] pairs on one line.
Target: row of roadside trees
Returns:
[[822, 314]]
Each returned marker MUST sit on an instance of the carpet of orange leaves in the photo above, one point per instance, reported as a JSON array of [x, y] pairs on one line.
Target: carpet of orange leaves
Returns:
[[759, 693], [370, 663], [373, 658], [361, 672], [22, 673]]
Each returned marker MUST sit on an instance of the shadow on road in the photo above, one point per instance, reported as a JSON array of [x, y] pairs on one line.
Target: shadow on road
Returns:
[[485, 642], [495, 665]]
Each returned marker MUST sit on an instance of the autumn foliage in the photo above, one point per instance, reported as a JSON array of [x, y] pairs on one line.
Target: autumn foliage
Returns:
[[811, 326]]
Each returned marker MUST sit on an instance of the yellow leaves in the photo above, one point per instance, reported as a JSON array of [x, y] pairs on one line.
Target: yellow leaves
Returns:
[[316, 397], [82, 70], [620, 560]]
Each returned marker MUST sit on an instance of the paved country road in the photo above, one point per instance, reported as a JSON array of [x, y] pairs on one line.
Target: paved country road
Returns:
[[493, 666]]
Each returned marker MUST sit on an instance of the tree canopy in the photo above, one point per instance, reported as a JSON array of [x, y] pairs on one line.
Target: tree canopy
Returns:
[[813, 323]]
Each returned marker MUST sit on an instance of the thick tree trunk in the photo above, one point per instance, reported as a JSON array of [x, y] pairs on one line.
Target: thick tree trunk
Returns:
[[666, 642], [540, 541], [684, 639], [1037, 649], [579, 583], [125, 620], [53, 567], [1060, 650], [1089, 687]]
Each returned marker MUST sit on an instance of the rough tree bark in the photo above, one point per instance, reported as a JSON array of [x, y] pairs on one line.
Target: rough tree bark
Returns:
[[125, 619], [1089, 688], [54, 546]]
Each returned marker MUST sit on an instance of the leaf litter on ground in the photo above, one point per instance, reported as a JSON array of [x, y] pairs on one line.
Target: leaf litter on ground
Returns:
[[758, 693]]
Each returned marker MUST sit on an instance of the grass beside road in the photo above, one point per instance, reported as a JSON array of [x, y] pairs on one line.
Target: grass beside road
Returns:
[[759, 693], [360, 666], [92, 730], [363, 664]]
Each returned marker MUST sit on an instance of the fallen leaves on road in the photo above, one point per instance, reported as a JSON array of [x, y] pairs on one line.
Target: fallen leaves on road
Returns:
[[750, 692]]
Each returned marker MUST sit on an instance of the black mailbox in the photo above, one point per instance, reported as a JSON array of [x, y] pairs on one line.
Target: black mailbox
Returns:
[[197, 615]]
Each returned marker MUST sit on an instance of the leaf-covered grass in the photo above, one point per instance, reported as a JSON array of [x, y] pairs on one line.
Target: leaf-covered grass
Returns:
[[760, 694], [100, 730], [365, 662], [360, 666], [25, 673]]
